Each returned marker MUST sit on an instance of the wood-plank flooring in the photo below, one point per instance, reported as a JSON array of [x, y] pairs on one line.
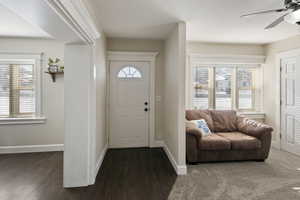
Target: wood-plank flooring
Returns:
[[126, 174]]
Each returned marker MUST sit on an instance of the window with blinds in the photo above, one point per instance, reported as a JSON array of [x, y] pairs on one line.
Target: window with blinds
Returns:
[[17, 90], [245, 88], [224, 87], [200, 87]]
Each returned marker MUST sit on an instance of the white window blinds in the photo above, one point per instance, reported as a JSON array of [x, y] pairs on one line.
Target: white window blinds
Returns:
[[4, 90], [17, 91], [200, 87], [225, 87]]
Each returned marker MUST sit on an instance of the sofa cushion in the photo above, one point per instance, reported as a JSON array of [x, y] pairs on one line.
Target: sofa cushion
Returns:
[[214, 142], [224, 120], [200, 114], [240, 141]]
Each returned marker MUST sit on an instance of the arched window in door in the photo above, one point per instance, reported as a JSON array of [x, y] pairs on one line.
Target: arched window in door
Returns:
[[129, 72]]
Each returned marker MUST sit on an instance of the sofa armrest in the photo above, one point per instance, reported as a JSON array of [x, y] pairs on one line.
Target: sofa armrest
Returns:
[[259, 130], [193, 139], [253, 128], [194, 131]]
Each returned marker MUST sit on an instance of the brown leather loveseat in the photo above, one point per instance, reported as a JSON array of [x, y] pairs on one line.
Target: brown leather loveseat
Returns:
[[234, 138]]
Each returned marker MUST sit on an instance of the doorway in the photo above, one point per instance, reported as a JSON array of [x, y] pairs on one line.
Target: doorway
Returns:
[[129, 104], [290, 101], [131, 99]]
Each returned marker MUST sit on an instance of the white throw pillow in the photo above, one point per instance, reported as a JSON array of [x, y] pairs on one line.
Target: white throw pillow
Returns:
[[202, 125]]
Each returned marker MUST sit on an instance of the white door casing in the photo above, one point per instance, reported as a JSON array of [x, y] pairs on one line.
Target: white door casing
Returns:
[[136, 57], [129, 104], [290, 102]]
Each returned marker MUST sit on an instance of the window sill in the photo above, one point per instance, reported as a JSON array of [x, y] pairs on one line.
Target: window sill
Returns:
[[253, 115], [32, 120]]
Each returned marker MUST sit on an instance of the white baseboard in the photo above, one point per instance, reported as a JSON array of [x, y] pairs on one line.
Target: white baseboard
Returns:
[[31, 148], [180, 169], [100, 160], [158, 143]]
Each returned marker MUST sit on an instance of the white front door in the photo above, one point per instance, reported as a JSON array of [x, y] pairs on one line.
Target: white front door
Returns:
[[290, 103], [129, 104]]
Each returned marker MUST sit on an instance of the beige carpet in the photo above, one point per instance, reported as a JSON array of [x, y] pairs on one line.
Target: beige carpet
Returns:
[[276, 179]]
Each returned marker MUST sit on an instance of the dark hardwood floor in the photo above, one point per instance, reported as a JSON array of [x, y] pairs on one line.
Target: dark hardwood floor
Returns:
[[126, 174]]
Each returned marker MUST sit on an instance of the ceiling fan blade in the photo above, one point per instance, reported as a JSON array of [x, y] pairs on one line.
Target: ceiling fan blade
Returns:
[[265, 12], [277, 21]]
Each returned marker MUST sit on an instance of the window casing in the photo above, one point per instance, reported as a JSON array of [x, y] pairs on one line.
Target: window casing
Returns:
[[225, 87], [20, 88]]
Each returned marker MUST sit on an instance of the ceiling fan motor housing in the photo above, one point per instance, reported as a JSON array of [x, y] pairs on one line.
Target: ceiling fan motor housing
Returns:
[[293, 18], [291, 4]]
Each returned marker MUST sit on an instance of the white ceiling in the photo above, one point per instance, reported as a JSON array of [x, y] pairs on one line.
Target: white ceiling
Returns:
[[207, 20], [12, 25]]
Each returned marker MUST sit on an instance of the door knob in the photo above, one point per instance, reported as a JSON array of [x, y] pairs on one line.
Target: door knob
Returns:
[[146, 109]]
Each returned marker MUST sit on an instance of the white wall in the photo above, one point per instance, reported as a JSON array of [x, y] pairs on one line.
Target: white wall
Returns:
[[272, 81], [224, 48], [79, 115], [85, 112], [173, 105], [52, 132], [100, 64], [118, 44]]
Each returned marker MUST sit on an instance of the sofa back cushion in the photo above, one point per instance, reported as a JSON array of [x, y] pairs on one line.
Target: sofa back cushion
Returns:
[[200, 114], [224, 120]]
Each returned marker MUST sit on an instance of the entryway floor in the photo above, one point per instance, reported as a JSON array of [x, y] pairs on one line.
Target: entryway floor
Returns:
[[126, 174]]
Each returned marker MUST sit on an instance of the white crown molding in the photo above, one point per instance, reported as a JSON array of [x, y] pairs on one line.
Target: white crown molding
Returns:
[[77, 16], [226, 59], [130, 55]]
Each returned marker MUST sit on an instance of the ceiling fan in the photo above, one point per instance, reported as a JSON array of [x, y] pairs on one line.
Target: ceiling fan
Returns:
[[291, 12]]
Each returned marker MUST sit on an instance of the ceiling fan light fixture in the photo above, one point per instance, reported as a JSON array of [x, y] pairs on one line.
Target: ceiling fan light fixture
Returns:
[[293, 17]]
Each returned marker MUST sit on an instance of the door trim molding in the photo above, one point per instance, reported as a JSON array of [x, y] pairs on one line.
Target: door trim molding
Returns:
[[278, 121], [137, 56]]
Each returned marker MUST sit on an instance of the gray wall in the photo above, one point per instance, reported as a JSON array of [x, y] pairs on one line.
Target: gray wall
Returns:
[[52, 132]]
